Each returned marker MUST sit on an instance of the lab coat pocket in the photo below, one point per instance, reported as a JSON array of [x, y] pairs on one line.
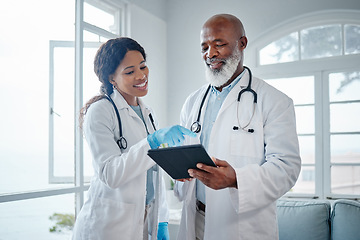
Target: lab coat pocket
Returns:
[[114, 219], [246, 144]]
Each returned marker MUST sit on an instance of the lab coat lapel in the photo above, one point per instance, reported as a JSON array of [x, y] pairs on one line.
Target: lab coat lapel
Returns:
[[119, 100], [203, 110], [122, 104], [194, 111], [144, 108], [124, 108], [146, 112]]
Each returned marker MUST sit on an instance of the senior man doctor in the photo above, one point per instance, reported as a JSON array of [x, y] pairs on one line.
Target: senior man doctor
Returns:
[[253, 142]]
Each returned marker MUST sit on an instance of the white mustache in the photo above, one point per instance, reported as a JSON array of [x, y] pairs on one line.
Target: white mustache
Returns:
[[211, 60]]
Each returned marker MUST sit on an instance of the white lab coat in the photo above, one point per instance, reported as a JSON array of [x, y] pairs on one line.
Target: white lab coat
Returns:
[[266, 162], [116, 199]]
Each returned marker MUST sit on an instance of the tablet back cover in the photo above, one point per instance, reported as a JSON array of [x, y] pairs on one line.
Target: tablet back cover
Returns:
[[177, 160]]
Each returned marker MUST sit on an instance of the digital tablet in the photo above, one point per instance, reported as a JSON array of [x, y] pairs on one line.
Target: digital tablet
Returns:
[[177, 160]]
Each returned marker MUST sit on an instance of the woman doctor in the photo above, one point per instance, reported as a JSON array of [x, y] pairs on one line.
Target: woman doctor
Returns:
[[126, 198]]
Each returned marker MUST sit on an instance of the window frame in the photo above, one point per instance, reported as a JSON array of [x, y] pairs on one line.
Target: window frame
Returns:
[[327, 136], [53, 113], [80, 27]]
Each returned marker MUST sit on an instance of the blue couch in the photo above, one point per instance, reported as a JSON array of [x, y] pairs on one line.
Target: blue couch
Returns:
[[318, 219], [312, 220]]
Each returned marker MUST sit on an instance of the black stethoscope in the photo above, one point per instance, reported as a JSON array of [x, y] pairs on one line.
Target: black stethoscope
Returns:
[[196, 126], [122, 143]]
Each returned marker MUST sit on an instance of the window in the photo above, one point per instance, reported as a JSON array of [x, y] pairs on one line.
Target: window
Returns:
[[61, 110], [315, 64], [314, 42], [25, 90], [344, 102], [285, 49], [101, 22], [44, 59], [304, 102]]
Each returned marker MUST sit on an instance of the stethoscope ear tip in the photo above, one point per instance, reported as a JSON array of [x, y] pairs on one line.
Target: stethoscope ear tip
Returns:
[[250, 130]]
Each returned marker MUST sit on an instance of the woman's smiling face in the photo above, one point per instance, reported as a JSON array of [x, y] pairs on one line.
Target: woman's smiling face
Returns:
[[131, 77]]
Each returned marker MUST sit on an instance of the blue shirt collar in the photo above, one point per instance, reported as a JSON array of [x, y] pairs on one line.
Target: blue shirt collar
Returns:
[[228, 87]]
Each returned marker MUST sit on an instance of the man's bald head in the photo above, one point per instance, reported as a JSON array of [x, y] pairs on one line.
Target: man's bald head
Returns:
[[226, 20]]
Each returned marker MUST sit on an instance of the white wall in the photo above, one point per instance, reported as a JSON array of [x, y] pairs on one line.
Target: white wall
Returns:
[[155, 7], [150, 31]]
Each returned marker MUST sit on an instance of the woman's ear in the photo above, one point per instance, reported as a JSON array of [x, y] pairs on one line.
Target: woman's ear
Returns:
[[111, 79]]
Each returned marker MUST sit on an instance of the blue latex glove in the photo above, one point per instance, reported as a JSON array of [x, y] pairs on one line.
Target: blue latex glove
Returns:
[[173, 136], [163, 231]]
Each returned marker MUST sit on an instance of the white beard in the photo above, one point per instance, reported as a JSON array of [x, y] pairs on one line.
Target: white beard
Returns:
[[219, 77]]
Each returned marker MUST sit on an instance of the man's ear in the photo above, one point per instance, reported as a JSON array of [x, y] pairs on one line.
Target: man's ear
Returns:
[[243, 42]]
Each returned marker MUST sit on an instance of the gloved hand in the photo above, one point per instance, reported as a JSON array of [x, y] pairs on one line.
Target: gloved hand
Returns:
[[163, 231], [173, 136]]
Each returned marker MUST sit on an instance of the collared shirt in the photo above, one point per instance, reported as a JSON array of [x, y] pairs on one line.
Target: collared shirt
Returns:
[[149, 175], [215, 100]]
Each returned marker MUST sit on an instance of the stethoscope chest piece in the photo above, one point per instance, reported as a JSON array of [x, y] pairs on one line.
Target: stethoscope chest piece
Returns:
[[195, 127], [122, 143]]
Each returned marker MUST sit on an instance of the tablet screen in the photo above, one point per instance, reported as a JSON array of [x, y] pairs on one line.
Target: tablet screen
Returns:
[[177, 160]]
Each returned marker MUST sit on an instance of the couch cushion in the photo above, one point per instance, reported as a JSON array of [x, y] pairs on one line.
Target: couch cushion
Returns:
[[345, 220], [303, 220]]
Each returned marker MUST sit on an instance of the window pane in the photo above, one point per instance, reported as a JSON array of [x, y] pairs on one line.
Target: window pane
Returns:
[[64, 107], [322, 41], [345, 148], [24, 172], [306, 181], [305, 119], [100, 17], [345, 179], [24, 122], [29, 219], [344, 86], [283, 50], [92, 37], [291, 86], [64, 112], [307, 149], [352, 39], [345, 117]]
